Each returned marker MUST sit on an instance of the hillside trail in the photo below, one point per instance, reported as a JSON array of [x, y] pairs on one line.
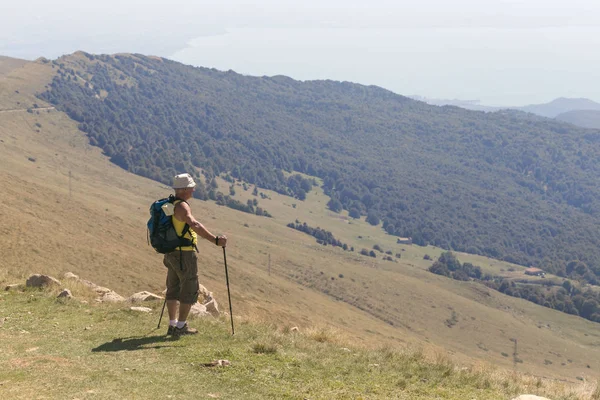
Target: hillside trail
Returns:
[[25, 109]]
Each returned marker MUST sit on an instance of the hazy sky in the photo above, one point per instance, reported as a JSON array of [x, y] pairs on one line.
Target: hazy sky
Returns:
[[502, 52]]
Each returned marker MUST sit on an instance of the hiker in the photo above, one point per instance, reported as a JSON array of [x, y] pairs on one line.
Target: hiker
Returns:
[[182, 264]]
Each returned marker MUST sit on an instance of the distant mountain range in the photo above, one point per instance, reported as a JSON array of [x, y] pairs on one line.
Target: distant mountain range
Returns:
[[466, 104], [581, 112], [583, 118], [560, 106]]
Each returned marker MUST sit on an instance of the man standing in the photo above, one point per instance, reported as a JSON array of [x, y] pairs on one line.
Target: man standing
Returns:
[[182, 264]]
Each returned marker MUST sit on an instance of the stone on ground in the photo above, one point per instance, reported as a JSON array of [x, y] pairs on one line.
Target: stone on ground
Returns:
[[38, 280], [143, 296], [65, 293], [198, 310], [141, 309], [111, 297], [14, 286]]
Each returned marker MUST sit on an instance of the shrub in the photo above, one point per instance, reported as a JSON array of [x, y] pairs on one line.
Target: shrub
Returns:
[[263, 348]]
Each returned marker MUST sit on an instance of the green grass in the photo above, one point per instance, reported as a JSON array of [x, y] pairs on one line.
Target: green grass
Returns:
[[67, 349]]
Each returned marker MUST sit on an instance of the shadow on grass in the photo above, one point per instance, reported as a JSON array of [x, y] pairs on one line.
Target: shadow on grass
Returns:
[[135, 343]]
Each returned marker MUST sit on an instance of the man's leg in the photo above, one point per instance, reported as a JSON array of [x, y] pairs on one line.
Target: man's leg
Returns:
[[172, 309], [173, 290], [184, 310], [189, 292]]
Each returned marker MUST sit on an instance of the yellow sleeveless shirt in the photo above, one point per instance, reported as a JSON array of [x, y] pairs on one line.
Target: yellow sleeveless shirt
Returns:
[[179, 225]]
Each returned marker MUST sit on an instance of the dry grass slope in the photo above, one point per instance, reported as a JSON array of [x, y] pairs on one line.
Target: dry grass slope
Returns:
[[66, 208]]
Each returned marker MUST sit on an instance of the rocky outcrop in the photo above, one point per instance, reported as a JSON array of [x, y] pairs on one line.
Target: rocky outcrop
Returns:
[[198, 310], [105, 295], [40, 281], [110, 297], [206, 306], [205, 294], [212, 308], [143, 296], [71, 276]]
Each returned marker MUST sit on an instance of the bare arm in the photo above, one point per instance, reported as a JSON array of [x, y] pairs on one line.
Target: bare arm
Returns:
[[183, 212]]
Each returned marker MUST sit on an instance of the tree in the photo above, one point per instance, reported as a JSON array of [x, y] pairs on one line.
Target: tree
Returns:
[[449, 259], [589, 307], [335, 205], [301, 194], [354, 213], [460, 275], [372, 218], [439, 269]]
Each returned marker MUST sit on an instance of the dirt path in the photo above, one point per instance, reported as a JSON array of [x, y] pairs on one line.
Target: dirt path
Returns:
[[25, 109]]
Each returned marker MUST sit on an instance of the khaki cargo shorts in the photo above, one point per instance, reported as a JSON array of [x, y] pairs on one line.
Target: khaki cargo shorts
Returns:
[[182, 276]]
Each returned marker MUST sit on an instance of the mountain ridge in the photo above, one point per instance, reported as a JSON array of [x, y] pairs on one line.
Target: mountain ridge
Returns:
[[550, 109], [388, 144]]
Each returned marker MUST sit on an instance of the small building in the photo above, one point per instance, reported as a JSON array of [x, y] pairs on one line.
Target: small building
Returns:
[[534, 272], [404, 240]]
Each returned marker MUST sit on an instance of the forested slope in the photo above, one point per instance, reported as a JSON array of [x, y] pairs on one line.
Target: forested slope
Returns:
[[508, 184]]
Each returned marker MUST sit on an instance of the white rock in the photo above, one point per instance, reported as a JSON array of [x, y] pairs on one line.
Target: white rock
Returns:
[[205, 294], [143, 296], [141, 309], [111, 297], [198, 310], [212, 308], [101, 289], [70, 275]]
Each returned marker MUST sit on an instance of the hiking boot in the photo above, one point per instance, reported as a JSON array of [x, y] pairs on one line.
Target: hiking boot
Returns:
[[186, 330], [171, 330]]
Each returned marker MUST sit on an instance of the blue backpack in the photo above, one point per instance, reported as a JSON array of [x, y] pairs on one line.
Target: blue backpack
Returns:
[[161, 232]]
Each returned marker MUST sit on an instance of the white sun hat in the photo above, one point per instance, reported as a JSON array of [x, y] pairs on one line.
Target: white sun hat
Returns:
[[183, 181]]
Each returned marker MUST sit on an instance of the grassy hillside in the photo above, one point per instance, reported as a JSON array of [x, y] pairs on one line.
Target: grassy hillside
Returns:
[[69, 349], [508, 185], [67, 208]]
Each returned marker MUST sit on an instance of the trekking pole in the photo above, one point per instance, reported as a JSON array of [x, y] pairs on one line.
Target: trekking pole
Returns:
[[161, 313], [228, 293]]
